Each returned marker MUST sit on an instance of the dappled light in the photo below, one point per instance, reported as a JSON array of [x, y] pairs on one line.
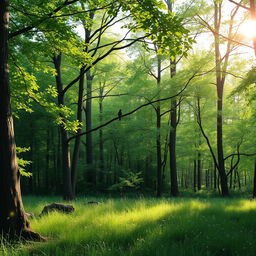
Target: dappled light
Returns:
[[148, 227]]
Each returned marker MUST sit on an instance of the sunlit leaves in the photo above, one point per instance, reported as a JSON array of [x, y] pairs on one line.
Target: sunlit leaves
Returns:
[[23, 163]]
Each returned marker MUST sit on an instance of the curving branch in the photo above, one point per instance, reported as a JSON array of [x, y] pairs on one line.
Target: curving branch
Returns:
[[136, 109]]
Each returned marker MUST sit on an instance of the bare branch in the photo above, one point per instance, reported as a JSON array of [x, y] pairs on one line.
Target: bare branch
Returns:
[[240, 5], [136, 109]]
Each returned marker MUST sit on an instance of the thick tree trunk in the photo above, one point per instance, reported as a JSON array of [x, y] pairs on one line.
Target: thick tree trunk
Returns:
[[66, 165], [13, 221]]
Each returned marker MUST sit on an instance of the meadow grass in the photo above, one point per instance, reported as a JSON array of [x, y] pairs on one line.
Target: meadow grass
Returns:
[[197, 227]]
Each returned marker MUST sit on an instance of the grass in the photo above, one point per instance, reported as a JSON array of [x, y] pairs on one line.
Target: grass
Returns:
[[196, 227]]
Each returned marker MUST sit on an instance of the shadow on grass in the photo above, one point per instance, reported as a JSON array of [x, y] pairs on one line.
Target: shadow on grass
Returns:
[[150, 227]]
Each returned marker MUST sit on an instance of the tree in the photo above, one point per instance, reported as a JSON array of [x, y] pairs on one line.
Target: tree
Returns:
[[13, 220]]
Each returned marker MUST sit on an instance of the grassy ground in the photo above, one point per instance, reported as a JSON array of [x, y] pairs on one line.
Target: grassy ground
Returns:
[[199, 227]]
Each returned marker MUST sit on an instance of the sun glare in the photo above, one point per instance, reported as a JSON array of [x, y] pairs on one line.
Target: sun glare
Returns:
[[248, 28]]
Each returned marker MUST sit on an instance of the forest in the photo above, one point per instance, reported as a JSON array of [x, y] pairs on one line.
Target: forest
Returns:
[[138, 115]]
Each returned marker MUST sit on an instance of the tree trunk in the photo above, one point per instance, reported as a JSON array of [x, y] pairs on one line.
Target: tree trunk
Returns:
[[13, 221], [194, 176], [254, 181], [220, 80], [78, 138], [101, 142], [158, 135], [66, 165], [91, 175], [215, 177], [172, 141], [47, 160], [199, 178]]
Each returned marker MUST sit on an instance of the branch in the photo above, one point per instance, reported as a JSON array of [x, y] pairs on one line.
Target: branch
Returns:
[[99, 59], [48, 16], [199, 121], [239, 154], [240, 5], [136, 109], [104, 96]]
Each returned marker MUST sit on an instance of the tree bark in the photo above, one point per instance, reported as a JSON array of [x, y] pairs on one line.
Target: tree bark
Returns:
[[91, 175], [78, 138], [254, 181], [195, 177], [66, 165], [172, 141], [159, 184], [101, 142], [220, 80], [13, 221]]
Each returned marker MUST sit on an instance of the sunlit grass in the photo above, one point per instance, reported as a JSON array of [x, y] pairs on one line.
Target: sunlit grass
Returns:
[[144, 227]]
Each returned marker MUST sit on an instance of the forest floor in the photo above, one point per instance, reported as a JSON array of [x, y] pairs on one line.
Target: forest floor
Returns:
[[185, 226]]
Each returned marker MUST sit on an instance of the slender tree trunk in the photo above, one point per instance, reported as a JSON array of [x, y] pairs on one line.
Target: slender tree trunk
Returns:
[[158, 135], [78, 138], [254, 181], [101, 141], [194, 176], [172, 141], [47, 160], [66, 165], [31, 179], [91, 175], [13, 221], [220, 80], [199, 178], [215, 177]]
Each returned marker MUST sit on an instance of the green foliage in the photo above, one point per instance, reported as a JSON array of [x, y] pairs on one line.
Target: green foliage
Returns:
[[23, 163], [128, 179], [247, 85]]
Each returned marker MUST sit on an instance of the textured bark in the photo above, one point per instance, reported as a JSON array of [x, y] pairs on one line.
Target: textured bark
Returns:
[[13, 221]]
